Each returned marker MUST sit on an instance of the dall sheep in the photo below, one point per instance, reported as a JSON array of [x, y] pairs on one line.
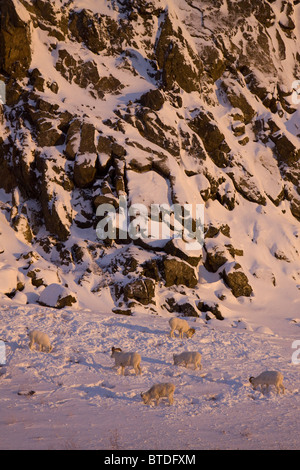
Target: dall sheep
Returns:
[[267, 378], [123, 359], [182, 326], [188, 357], [158, 391], [41, 339]]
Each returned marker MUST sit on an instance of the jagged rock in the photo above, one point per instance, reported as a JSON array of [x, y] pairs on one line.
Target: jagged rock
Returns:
[[295, 208], [186, 309], [104, 145], [88, 29], [118, 150], [171, 52], [36, 80], [41, 277], [177, 272], [21, 225], [210, 307], [213, 59], [238, 129], [237, 280], [244, 141], [47, 134], [37, 282], [106, 199], [53, 86], [238, 100], [142, 290], [50, 19], [57, 211], [213, 140], [180, 249], [73, 139], [15, 39], [153, 129], [87, 138], [183, 307], [212, 231], [246, 186], [86, 75], [234, 251], [226, 195], [57, 296], [86, 158], [122, 311], [32, 256], [45, 123], [216, 256], [285, 149], [150, 269], [120, 185], [82, 73], [153, 99]]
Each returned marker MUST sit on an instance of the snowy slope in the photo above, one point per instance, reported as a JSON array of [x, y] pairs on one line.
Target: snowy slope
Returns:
[[159, 103]]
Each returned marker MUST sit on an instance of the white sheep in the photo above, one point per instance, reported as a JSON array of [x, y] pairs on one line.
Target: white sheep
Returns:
[[41, 339], [123, 359], [158, 391], [188, 357], [182, 326], [267, 378]]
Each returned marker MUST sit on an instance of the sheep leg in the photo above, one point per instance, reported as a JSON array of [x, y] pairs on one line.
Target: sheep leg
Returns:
[[280, 388]]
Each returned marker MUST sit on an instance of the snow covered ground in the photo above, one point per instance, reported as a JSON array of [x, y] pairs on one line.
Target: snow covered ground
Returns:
[[81, 402], [73, 398]]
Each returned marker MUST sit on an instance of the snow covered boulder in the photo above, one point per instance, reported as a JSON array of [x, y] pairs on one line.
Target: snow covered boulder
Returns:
[[210, 307], [237, 280], [42, 277], [20, 298], [179, 248], [21, 225], [216, 256], [57, 296], [8, 280], [85, 169], [176, 272], [142, 290]]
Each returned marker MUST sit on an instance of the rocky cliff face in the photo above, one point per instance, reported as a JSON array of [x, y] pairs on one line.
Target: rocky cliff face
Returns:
[[162, 102]]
